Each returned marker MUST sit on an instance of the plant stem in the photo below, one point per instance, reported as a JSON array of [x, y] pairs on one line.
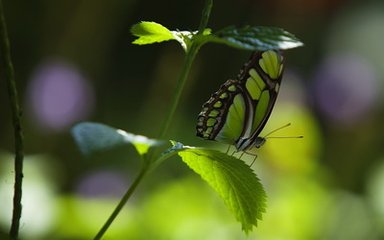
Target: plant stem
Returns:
[[190, 56], [16, 121], [205, 16], [122, 202], [148, 165]]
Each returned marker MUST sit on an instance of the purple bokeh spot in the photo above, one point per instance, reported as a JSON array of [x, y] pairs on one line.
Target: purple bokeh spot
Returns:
[[59, 95], [345, 88], [103, 184]]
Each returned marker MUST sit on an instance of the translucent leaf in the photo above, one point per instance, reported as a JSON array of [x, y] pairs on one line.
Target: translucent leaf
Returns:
[[235, 182], [92, 137], [150, 32], [259, 38]]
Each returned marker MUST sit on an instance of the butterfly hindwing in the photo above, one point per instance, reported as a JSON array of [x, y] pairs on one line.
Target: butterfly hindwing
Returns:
[[239, 110]]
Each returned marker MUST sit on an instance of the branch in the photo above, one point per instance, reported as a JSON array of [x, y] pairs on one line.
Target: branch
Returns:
[[7, 67]]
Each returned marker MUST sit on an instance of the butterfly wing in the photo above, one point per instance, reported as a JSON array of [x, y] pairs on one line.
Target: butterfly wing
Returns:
[[261, 77], [238, 111], [223, 115]]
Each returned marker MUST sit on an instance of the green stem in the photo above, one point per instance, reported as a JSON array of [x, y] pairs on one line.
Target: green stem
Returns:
[[205, 17], [16, 121], [190, 56], [149, 161], [122, 202]]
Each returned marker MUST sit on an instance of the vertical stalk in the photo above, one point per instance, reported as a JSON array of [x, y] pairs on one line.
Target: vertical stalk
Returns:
[[16, 121], [122, 202], [205, 16], [149, 162], [190, 56]]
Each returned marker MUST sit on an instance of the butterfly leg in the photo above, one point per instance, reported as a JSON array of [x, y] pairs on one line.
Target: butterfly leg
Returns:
[[229, 147], [252, 154], [253, 160], [228, 152]]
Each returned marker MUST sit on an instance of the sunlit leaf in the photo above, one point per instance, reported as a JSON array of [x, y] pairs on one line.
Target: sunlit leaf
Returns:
[[92, 137], [253, 38], [150, 32], [184, 38], [235, 182], [259, 38]]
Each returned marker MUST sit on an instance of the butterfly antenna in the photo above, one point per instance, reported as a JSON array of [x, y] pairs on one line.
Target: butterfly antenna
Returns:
[[277, 129], [300, 136]]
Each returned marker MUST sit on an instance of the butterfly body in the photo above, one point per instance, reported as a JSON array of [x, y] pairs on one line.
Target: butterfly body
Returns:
[[239, 110]]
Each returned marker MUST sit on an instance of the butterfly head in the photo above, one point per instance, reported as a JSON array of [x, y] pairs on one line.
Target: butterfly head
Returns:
[[244, 144]]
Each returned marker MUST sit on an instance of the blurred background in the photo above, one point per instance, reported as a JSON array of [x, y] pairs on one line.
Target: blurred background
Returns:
[[74, 62]]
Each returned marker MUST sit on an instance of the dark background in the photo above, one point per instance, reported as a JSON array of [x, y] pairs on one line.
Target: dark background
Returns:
[[74, 62]]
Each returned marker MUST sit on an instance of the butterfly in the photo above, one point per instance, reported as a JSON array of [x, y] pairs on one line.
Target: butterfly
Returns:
[[239, 110]]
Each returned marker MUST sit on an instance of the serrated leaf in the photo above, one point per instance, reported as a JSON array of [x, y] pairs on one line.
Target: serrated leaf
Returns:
[[254, 38], [235, 182], [92, 137], [151, 32]]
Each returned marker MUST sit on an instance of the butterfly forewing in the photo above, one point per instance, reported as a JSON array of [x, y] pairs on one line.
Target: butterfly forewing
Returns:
[[239, 110], [222, 116], [262, 75]]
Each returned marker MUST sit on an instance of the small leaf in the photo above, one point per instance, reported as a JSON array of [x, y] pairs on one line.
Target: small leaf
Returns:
[[170, 152], [184, 38], [235, 182], [176, 146], [93, 137], [259, 38], [150, 32]]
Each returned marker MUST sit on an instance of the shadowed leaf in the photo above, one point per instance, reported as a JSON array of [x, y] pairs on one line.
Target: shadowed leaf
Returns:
[[253, 38], [92, 137]]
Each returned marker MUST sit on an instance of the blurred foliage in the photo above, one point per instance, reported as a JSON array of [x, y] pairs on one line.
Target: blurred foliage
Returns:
[[326, 185]]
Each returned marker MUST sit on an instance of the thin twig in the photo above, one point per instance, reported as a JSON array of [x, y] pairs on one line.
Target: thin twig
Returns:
[[191, 53], [179, 89], [122, 202], [205, 15], [189, 58], [7, 67]]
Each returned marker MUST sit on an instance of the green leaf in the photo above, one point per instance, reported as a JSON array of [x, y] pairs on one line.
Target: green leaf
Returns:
[[184, 38], [235, 182], [150, 32], [253, 38], [176, 146], [92, 137]]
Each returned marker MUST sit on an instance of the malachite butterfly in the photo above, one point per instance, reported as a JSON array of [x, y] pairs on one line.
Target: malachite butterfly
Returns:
[[239, 110]]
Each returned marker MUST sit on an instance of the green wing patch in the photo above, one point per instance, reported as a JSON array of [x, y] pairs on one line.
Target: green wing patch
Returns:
[[239, 110]]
